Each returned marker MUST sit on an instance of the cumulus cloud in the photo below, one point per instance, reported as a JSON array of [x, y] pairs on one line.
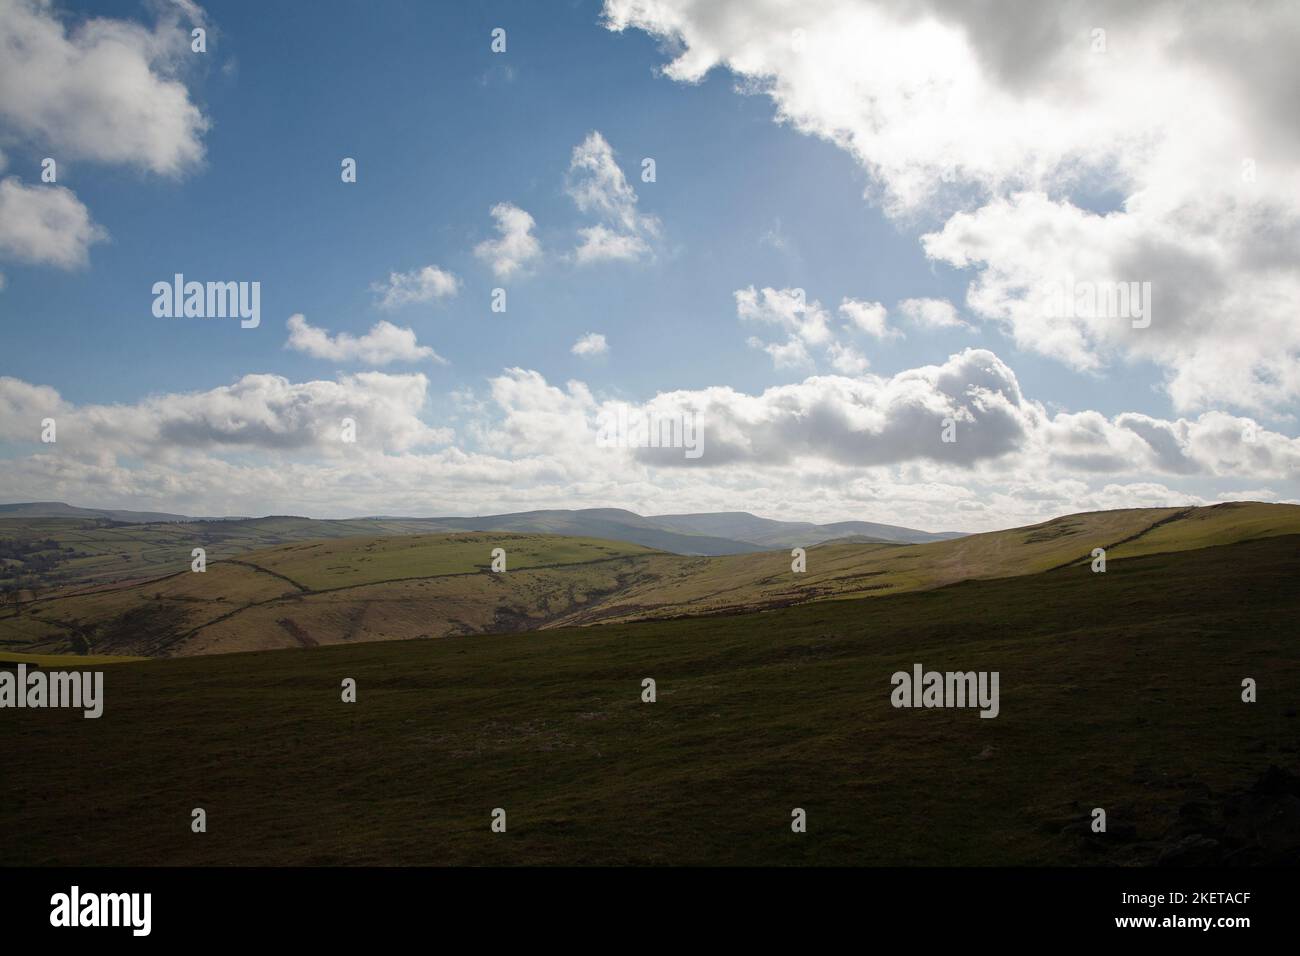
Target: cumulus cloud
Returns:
[[856, 422], [540, 419], [867, 421], [515, 246], [805, 323], [598, 187], [105, 89], [1221, 314], [846, 359], [45, 225], [873, 420], [791, 353], [23, 405], [931, 314], [590, 345], [602, 244], [868, 317], [808, 326], [1050, 157], [262, 413], [383, 344], [420, 285], [787, 309], [868, 447]]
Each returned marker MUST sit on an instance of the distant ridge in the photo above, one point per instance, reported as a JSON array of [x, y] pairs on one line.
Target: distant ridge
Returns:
[[57, 509], [742, 525], [710, 533]]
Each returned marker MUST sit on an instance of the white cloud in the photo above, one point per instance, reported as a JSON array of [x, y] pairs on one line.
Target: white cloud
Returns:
[[105, 89], [1004, 122], [598, 187], [515, 247], [1222, 314], [383, 344], [23, 405], [602, 244], [869, 421], [867, 447], [806, 323], [590, 345], [846, 359], [872, 420], [45, 225], [869, 317], [259, 413], [931, 314], [786, 308], [540, 421], [790, 354], [420, 285]]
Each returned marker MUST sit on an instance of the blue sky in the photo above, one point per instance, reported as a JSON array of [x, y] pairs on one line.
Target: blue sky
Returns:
[[441, 134], [442, 129]]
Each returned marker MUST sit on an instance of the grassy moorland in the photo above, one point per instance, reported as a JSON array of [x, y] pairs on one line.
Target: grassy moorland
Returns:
[[356, 589], [1118, 690], [44, 545], [351, 589], [98, 551]]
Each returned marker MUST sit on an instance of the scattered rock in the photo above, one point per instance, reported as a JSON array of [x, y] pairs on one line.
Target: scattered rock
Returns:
[[1259, 826]]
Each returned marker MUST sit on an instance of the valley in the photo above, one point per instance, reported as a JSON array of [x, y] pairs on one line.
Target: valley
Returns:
[[361, 588]]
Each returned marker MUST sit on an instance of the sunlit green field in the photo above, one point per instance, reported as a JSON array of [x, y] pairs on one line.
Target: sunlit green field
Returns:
[[330, 592], [109, 551], [365, 588], [350, 562]]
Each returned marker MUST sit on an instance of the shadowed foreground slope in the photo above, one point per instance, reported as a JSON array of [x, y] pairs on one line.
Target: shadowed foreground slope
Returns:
[[1119, 691]]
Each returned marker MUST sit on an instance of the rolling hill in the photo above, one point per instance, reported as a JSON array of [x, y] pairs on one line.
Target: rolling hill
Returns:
[[742, 526], [397, 587], [347, 589], [109, 545], [611, 523], [57, 509]]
